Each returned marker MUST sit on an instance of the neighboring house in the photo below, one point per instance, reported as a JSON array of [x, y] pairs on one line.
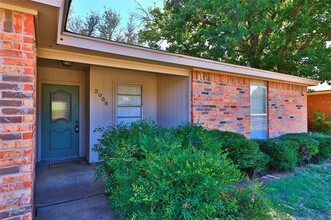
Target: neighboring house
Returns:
[[319, 101], [57, 87]]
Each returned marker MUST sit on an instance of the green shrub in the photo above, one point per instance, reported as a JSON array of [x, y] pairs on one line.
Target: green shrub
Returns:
[[198, 137], [308, 147], [253, 202], [324, 146], [321, 123], [243, 152], [156, 173], [283, 153]]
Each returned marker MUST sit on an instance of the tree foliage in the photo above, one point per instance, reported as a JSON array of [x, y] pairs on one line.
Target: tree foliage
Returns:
[[109, 24], [287, 36], [105, 25]]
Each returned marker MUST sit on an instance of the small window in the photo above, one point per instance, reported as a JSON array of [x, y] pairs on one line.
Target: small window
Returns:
[[60, 106], [259, 111], [129, 103]]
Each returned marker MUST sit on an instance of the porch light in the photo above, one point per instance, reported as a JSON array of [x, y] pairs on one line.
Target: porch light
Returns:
[[66, 63]]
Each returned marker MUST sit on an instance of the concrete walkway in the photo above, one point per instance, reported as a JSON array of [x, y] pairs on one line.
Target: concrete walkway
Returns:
[[68, 191]]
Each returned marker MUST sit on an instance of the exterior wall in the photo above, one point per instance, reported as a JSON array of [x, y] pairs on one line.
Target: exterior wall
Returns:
[[221, 102], [173, 100], [17, 117], [104, 80], [63, 77], [318, 103], [287, 108]]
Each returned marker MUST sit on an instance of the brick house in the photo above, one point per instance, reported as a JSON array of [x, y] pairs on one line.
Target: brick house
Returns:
[[57, 87]]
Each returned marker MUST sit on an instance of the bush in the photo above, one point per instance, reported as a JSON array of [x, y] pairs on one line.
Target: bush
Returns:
[[321, 123], [283, 153], [156, 173], [253, 202], [308, 147], [198, 137], [243, 152], [324, 146]]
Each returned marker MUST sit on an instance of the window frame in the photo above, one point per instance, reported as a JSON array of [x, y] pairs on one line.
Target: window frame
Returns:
[[141, 106], [265, 85]]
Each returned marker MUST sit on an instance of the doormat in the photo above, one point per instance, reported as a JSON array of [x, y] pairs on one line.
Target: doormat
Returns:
[[63, 164]]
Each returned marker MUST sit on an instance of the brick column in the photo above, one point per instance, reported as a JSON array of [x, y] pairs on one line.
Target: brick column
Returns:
[[17, 114]]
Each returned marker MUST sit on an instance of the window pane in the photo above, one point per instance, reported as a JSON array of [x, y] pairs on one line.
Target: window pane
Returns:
[[259, 127], [127, 100], [129, 89], [60, 105], [127, 120], [129, 103], [258, 99], [129, 112]]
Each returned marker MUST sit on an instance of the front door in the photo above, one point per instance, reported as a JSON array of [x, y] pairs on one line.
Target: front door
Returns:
[[60, 122]]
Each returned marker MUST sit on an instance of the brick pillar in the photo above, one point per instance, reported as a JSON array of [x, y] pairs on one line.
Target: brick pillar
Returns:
[[17, 114]]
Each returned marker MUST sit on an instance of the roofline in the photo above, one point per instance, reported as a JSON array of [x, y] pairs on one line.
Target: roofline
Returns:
[[324, 92], [100, 45]]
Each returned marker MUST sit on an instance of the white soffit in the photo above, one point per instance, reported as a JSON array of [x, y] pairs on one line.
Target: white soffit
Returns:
[[54, 3], [110, 62]]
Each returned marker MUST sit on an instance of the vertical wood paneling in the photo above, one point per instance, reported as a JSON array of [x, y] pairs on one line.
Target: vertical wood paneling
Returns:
[[319, 103], [173, 100], [105, 79]]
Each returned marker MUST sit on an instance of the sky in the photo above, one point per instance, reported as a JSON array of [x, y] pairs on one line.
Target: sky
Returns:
[[123, 7]]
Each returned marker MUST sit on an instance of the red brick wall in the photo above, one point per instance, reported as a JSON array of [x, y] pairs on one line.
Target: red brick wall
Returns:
[[17, 114], [221, 102], [287, 108]]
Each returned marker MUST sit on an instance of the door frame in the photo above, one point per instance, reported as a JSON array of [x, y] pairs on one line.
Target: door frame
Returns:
[[80, 113]]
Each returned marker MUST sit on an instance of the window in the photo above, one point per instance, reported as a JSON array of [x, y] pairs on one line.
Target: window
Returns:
[[129, 103], [60, 105], [258, 110]]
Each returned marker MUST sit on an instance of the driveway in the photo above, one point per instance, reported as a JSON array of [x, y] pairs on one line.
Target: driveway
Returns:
[[68, 191]]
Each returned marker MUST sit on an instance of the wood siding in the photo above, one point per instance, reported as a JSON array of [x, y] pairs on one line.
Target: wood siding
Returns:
[[173, 100], [319, 103], [104, 80], [65, 77]]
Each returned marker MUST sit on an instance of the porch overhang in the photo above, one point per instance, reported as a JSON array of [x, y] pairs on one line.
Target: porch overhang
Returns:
[[109, 62]]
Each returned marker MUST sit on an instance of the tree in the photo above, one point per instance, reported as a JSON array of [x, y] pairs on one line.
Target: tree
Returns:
[[109, 24], [131, 36], [87, 26], [287, 36], [74, 23], [91, 24]]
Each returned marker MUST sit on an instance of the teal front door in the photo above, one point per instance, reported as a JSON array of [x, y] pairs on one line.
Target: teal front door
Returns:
[[60, 122]]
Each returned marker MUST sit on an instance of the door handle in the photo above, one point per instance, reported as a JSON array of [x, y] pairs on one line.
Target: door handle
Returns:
[[77, 127]]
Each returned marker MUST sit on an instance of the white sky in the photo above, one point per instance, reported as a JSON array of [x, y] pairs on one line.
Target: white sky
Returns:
[[321, 87]]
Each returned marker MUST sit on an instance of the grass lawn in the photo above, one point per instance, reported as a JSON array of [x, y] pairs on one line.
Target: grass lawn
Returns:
[[307, 195]]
